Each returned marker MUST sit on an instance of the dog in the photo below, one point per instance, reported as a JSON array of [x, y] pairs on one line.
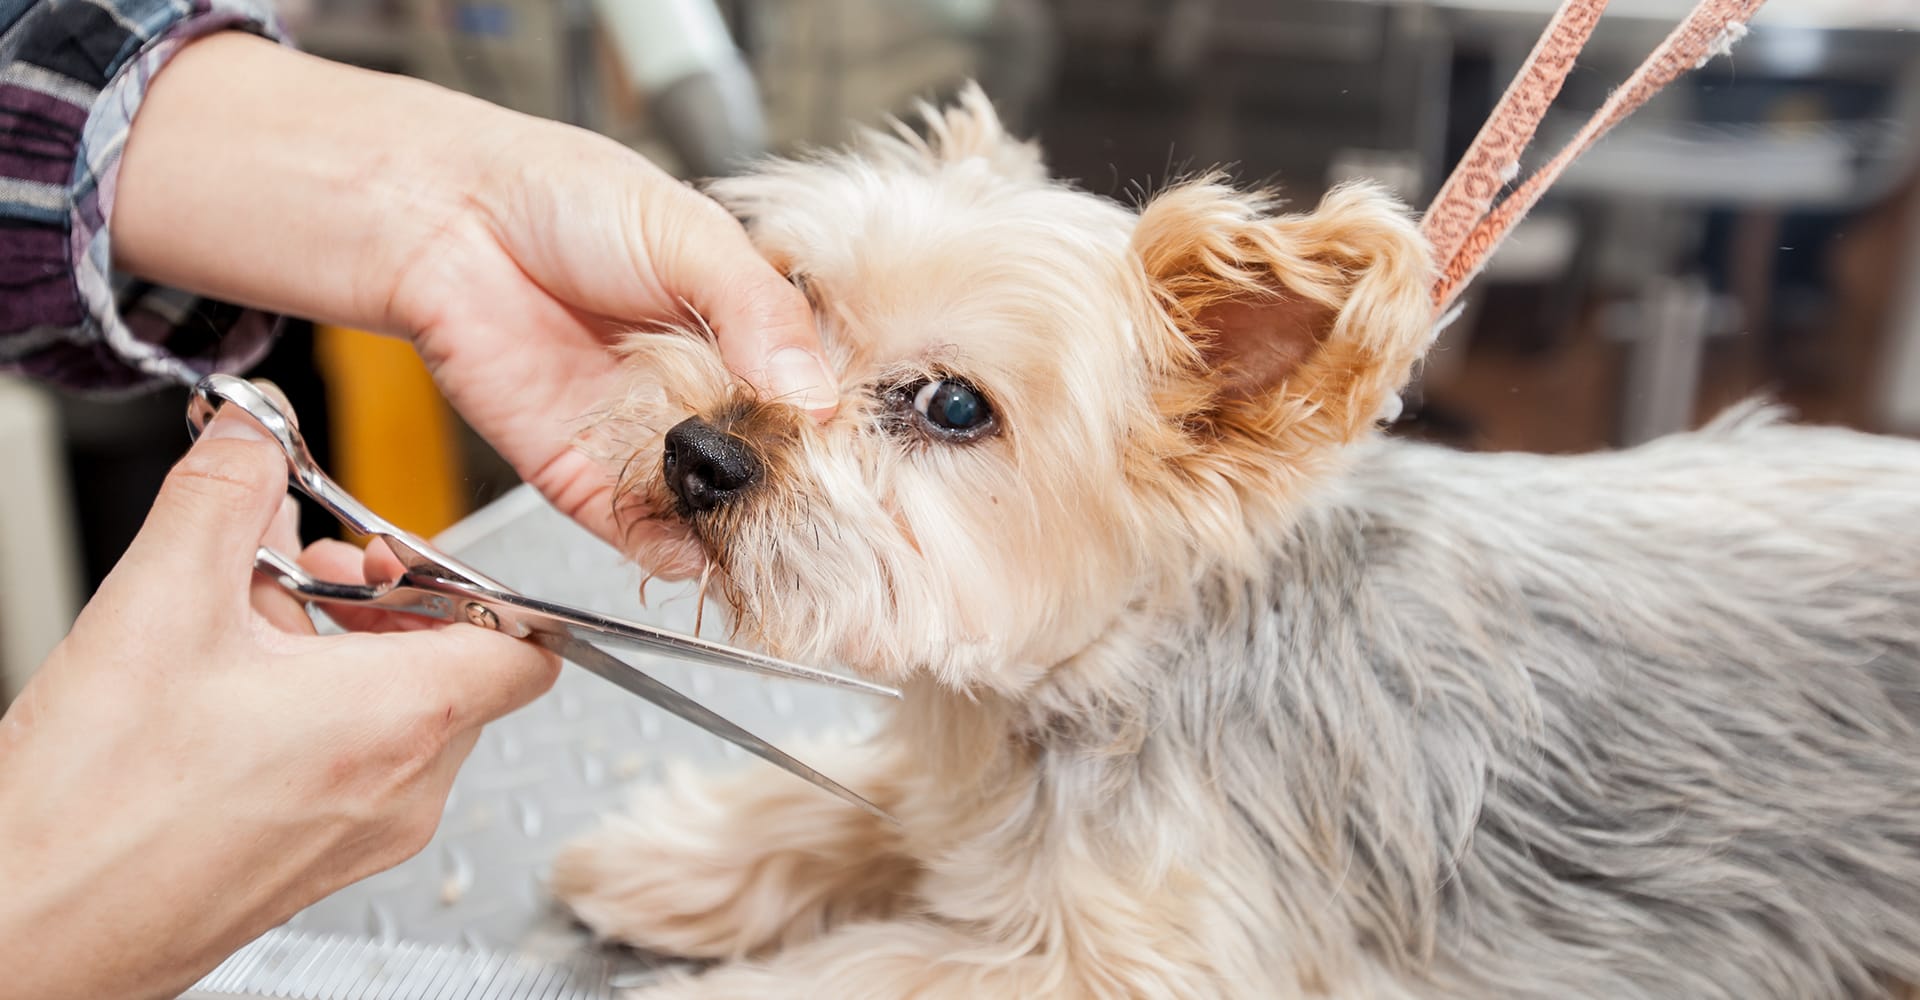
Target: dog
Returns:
[[1211, 689]]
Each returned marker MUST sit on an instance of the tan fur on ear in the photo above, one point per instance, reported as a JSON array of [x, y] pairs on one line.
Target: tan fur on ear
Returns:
[[1285, 338], [1301, 324]]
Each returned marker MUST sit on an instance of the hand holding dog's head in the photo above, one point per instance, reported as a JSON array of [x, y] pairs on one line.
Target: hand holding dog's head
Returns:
[[1055, 406]]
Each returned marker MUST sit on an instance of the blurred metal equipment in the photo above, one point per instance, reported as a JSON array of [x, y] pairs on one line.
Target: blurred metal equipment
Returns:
[[1667, 325], [1900, 389], [39, 555], [679, 55], [1677, 169], [1644, 189], [543, 57]]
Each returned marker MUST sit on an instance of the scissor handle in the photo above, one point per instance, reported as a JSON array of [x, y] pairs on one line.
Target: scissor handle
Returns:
[[304, 473]]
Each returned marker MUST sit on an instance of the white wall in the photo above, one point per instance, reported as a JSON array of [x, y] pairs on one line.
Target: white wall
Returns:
[[39, 572]]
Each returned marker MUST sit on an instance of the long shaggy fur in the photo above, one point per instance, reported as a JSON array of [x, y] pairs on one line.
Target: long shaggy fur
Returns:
[[1211, 692]]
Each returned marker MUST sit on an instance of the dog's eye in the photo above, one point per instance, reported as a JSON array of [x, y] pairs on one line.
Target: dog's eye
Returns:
[[950, 408]]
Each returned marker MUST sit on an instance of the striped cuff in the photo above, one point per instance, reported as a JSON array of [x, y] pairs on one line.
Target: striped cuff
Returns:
[[67, 101]]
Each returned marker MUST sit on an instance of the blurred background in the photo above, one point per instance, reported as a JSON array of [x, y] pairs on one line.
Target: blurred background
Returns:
[[1756, 229]]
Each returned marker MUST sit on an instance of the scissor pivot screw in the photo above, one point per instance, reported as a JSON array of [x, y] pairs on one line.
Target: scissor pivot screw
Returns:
[[483, 617]]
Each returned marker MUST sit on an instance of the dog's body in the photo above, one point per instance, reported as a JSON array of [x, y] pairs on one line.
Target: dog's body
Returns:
[[1328, 716]]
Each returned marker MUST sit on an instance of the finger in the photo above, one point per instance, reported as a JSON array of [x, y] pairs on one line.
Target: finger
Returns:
[[334, 560], [275, 603], [283, 534], [766, 331], [579, 486], [478, 675], [530, 401], [340, 562], [214, 509], [278, 607], [279, 396], [380, 562]]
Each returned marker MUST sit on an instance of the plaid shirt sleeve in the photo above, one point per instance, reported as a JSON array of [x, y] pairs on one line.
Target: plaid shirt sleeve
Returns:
[[72, 74]]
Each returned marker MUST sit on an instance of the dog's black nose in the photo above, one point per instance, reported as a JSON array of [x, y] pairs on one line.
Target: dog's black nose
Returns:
[[706, 466]]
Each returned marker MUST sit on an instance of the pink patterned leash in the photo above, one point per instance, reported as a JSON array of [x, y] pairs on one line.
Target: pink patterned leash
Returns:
[[1464, 225]]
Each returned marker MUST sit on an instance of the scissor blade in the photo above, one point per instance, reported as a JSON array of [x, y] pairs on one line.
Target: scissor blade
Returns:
[[697, 650], [633, 680], [588, 626]]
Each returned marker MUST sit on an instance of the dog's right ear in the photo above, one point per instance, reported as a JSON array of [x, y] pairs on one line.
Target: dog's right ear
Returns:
[[1313, 317], [1277, 338]]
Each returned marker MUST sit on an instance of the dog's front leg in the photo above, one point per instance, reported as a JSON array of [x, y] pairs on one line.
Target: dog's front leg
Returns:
[[919, 959], [908, 960], [729, 866]]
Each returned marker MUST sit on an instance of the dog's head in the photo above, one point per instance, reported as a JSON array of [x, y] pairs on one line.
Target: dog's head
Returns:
[[1054, 407]]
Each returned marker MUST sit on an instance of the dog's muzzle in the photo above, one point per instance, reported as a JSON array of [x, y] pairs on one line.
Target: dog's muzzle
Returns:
[[707, 467]]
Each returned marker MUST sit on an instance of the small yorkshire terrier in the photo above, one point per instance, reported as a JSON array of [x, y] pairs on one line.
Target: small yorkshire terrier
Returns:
[[1213, 691]]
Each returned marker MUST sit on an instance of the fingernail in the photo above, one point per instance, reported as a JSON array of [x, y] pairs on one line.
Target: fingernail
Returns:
[[232, 422], [798, 377]]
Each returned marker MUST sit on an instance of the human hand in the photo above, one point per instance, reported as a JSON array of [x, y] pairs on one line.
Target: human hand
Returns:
[[574, 242], [511, 249], [192, 765]]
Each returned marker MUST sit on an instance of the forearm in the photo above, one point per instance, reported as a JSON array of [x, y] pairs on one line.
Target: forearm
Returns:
[[75, 73], [265, 177]]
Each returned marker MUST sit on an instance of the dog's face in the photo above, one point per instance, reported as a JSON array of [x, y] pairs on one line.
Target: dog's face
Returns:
[[1054, 407]]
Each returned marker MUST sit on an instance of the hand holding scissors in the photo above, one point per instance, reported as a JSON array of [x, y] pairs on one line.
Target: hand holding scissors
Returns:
[[435, 585]]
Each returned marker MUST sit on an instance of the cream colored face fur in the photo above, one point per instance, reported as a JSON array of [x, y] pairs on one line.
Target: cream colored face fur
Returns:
[[1158, 381]]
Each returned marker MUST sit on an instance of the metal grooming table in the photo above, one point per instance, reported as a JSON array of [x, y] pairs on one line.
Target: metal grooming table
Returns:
[[469, 917]]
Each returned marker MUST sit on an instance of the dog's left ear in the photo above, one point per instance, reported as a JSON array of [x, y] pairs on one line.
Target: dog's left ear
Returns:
[[1286, 329], [970, 130]]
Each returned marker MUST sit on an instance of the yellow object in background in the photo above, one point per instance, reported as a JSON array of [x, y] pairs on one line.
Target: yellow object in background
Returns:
[[394, 443]]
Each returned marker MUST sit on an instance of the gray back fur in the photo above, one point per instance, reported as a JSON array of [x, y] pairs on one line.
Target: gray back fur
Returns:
[[1632, 725]]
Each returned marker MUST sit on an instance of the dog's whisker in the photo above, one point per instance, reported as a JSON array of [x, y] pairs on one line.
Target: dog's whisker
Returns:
[[700, 597]]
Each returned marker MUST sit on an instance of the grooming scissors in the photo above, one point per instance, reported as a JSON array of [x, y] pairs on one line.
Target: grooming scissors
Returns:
[[436, 585]]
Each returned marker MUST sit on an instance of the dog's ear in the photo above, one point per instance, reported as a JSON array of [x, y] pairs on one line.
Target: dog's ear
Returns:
[[970, 130], [1285, 329]]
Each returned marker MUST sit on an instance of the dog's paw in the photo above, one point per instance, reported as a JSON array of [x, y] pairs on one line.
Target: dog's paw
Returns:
[[727, 868], [672, 983], [668, 877]]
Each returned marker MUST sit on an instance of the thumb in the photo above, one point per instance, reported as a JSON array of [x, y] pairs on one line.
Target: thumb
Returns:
[[215, 505], [476, 674], [765, 328]]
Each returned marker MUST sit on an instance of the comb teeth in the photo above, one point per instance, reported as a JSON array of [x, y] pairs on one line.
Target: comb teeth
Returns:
[[290, 965]]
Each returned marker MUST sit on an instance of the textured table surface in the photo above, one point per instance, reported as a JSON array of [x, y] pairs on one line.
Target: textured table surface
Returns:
[[470, 917]]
